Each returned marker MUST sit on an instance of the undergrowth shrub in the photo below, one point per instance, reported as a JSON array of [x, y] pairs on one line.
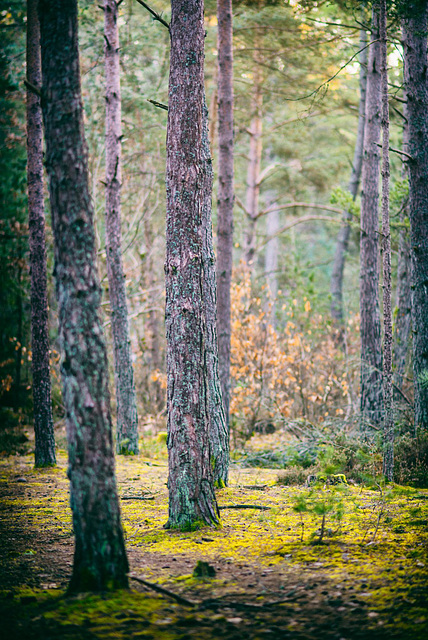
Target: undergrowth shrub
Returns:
[[411, 459], [289, 372]]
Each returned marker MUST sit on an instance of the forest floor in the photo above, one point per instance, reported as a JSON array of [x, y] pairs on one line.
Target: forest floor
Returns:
[[367, 579]]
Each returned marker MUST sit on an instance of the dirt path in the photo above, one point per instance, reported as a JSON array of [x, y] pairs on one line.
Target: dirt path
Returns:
[[364, 582]]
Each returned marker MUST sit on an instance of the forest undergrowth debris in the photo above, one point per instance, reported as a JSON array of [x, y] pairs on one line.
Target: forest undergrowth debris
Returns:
[[369, 565]]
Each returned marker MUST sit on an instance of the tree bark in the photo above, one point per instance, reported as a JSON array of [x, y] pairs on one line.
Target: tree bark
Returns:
[[100, 561], [127, 418], [336, 283], [253, 170], [271, 260], [403, 307], [415, 74], [225, 195], [388, 420], [44, 450], [371, 354], [192, 500]]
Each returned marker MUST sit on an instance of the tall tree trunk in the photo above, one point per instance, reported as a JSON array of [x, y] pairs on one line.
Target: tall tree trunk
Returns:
[[336, 283], [219, 427], [403, 307], [253, 170], [271, 260], [100, 561], [189, 180], [225, 195], [388, 420], [371, 353], [151, 327], [127, 418], [415, 74], [44, 450]]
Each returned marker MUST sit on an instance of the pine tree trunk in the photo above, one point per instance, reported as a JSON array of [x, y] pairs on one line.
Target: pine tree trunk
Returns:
[[99, 559], [127, 418], [271, 260], [225, 195], [219, 428], [43, 422], [253, 170], [371, 354], [151, 326], [336, 283], [403, 307], [192, 500], [388, 420], [415, 74]]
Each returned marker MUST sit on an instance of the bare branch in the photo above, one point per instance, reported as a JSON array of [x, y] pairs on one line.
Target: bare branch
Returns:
[[155, 15], [33, 89], [288, 226], [157, 104]]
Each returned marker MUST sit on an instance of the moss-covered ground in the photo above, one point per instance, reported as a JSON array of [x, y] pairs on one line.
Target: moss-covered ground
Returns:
[[367, 578]]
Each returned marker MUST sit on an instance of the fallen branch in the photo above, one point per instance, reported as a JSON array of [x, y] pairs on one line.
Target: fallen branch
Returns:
[[165, 592], [245, 506], [137, 498]]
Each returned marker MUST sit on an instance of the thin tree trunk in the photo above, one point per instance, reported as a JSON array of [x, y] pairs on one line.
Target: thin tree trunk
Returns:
[[192, 500], [225, 195], [100, 561], [219, 428], [151, 327], [253, 170], [388, 420], [403, 307], [336, 283], [44, 450], [271, 260], [371, 353], [127, 418], [415, 74]]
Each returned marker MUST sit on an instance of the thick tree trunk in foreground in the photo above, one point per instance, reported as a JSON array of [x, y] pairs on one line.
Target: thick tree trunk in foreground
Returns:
[[336, 283], [403, 306], [371, 353], [415, 70], [127, 419], [189, 179], [388, 420], [225, 195], [99, 559], [43, 421]]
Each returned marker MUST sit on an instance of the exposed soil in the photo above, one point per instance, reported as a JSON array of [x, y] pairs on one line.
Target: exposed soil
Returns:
[[267, 583]]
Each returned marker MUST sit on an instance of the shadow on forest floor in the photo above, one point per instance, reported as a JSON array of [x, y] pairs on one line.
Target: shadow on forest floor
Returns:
[[367, 579]]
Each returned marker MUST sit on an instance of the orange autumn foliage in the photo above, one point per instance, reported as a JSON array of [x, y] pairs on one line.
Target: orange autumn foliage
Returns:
[[287, 373]]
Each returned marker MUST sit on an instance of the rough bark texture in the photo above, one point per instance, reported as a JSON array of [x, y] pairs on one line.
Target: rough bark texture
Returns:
[[189, 181], [219, 429], [43, 422], [371, 354], [415, 69], [403, 306], [127, 418], [99, 560], [253, 170], [388, 420], [225, 195], [336, 283]]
